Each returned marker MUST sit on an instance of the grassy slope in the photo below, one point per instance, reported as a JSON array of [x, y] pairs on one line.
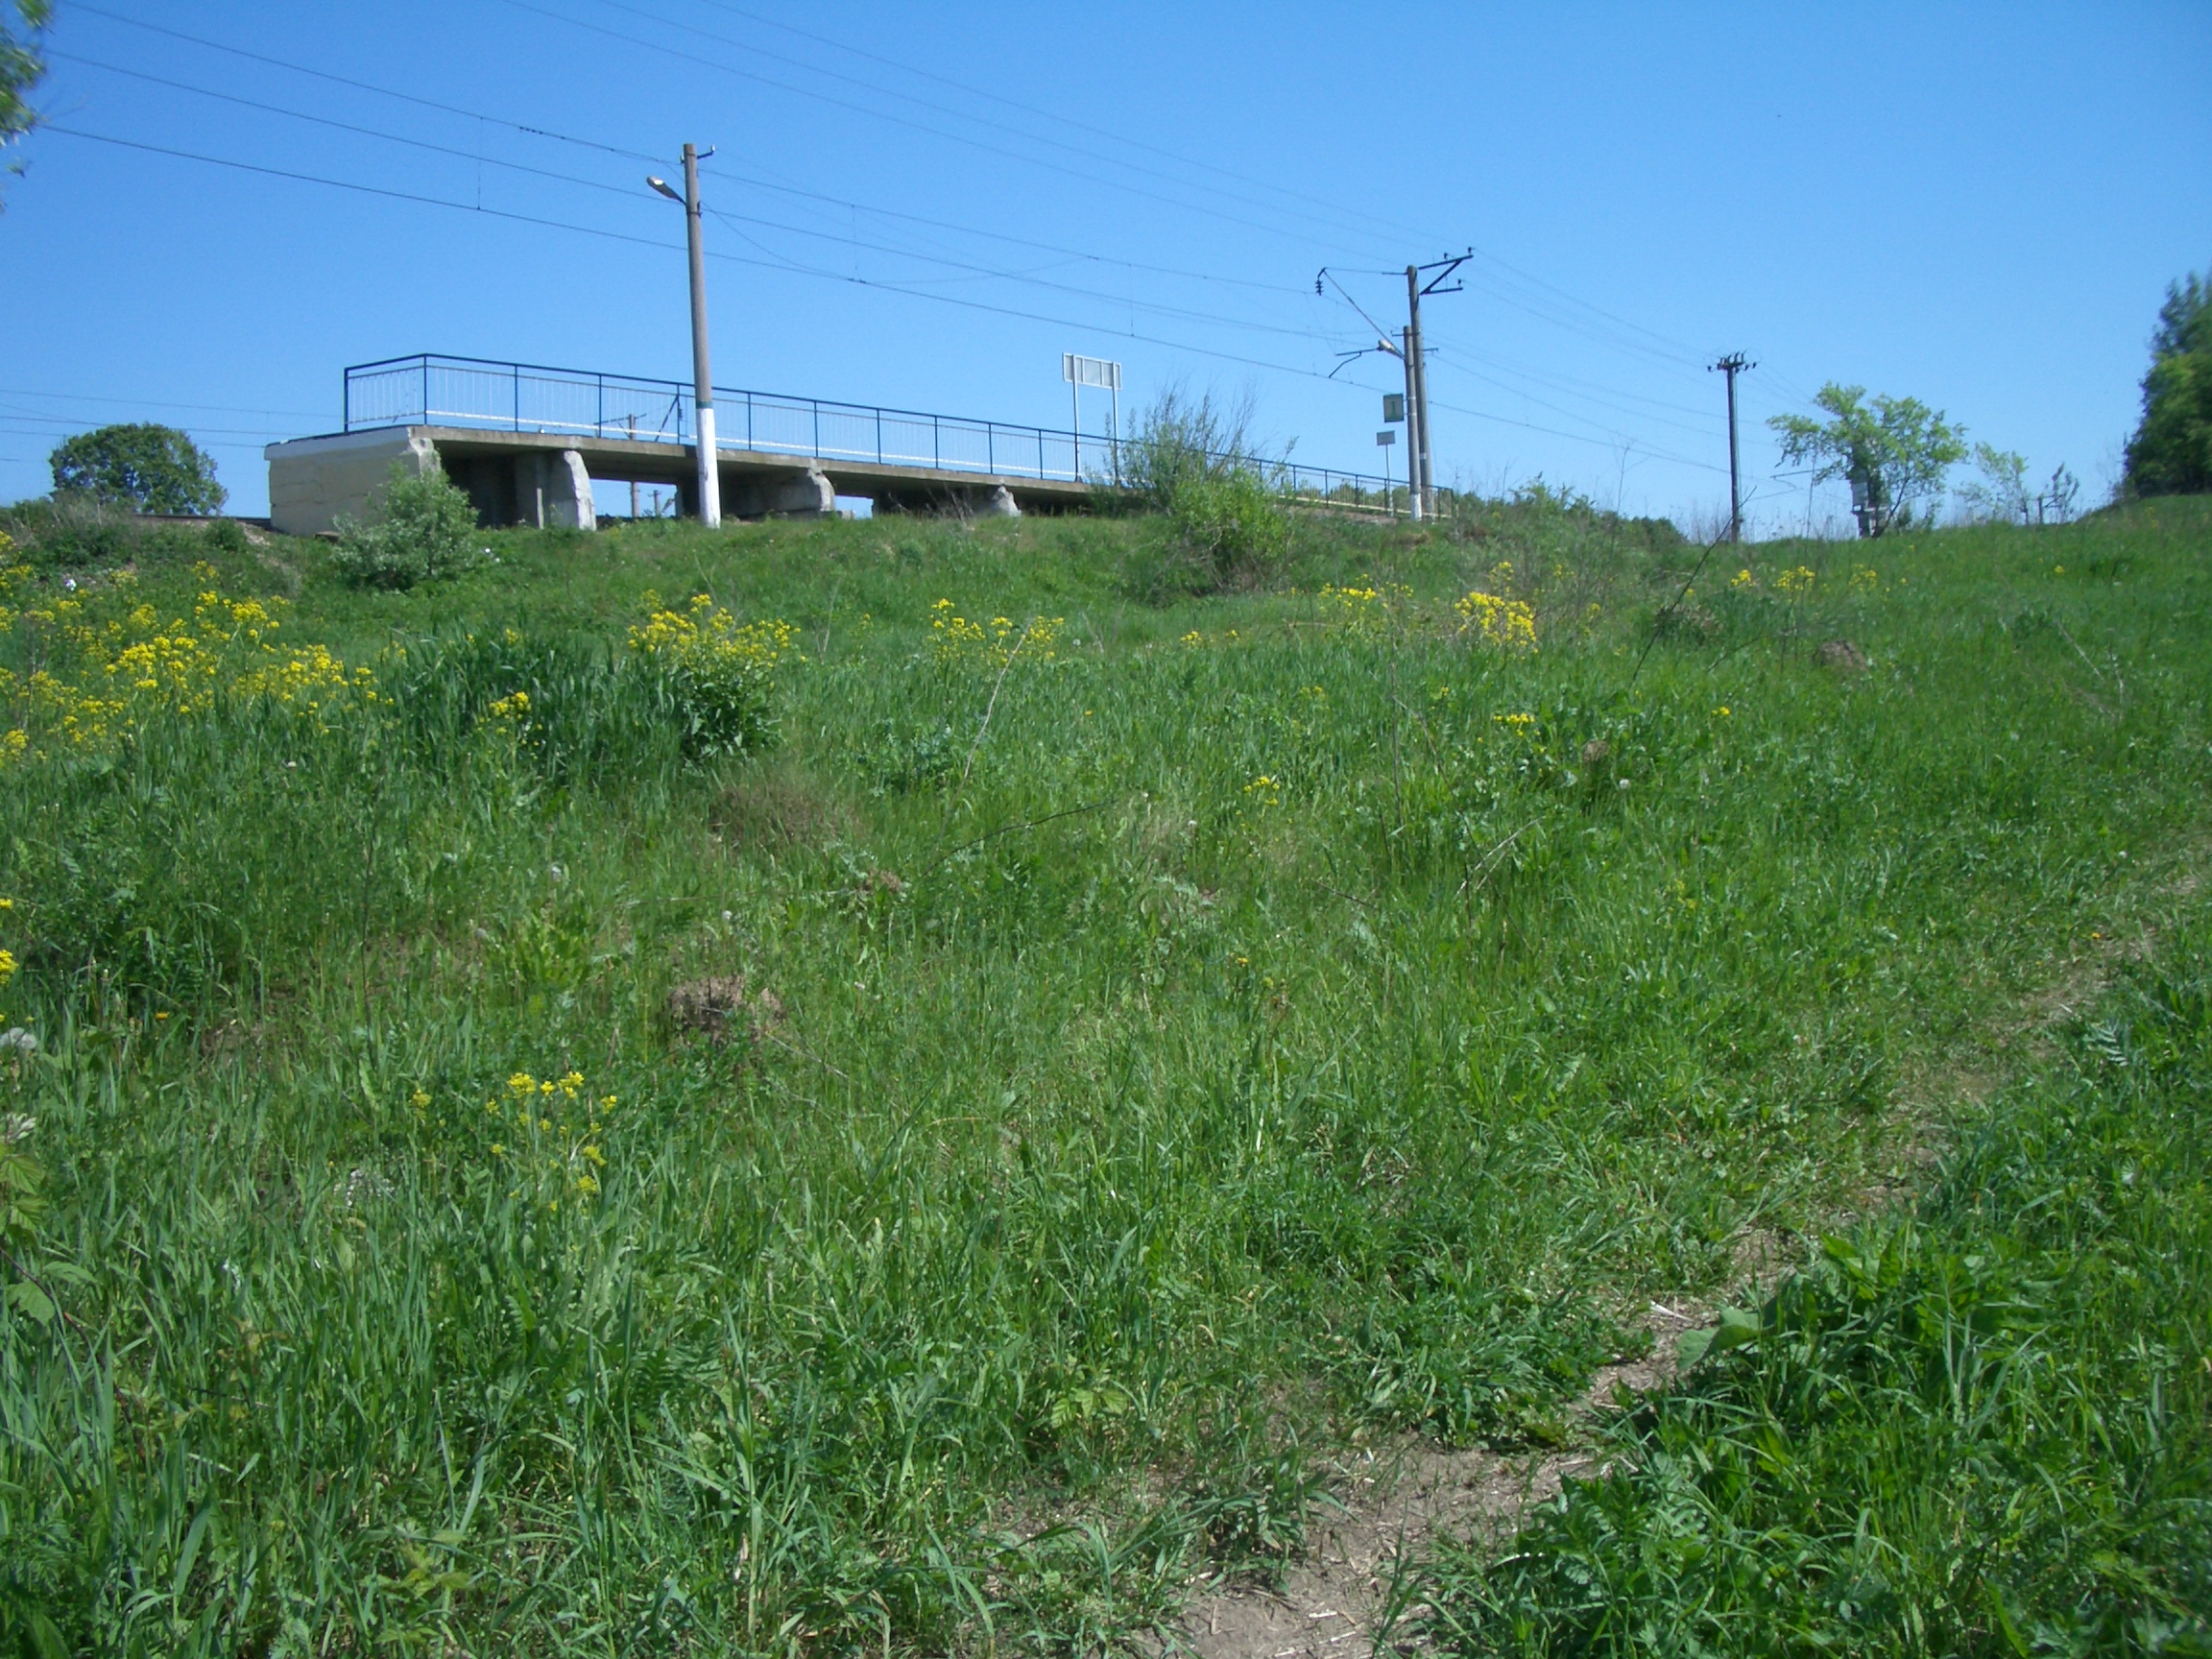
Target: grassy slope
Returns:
[[1210, 1123], [1984, 1429]]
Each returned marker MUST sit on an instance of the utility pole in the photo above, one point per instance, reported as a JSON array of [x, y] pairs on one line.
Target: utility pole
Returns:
[[1733, 365], [1417, 391], [1420, 463], [702, 375], [1408, 353], [1417, 365]]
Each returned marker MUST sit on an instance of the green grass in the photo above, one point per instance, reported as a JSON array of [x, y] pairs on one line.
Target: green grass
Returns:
[[1195, 1055], [1985, 1428]]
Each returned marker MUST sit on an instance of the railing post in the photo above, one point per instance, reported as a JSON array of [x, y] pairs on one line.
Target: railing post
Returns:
[[425, 390], [936, 447], [515, 370], [991, 445], [879, 437], [817, 427]]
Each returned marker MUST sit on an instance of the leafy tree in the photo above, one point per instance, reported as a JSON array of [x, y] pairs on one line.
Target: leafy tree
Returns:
[[2171, 453], [21, 66], [1893, 454], [151, 468], [425, 530], [2001, 496]]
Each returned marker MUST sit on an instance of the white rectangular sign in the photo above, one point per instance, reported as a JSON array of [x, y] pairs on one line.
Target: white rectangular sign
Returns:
[[1089, 371]]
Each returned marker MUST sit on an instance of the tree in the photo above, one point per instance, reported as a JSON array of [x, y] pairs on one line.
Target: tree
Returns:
[[151, 469], [21, 67], [2002, 494], [2171, 453], [1893, 454]]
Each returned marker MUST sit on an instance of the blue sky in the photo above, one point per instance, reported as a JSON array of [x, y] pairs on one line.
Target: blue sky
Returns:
[[1976, 205]]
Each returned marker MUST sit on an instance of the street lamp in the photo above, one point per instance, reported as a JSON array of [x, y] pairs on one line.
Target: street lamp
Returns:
[[702, 376]]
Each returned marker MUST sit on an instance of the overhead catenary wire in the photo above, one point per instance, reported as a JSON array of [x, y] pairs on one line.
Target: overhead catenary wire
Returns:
[[627, 154], [156, 403], [871, 113], [1382, 225], [349, 126], [1182, 313], [1565, 384], [1686, 355], [574, 227], [1334, 218], [86, 5], [917, 287]]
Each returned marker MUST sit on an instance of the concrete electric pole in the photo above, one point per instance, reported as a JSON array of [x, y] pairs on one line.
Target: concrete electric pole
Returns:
[[1420, 463], [1417, 482], [702, 375], [1417, 372], [1733, 365]]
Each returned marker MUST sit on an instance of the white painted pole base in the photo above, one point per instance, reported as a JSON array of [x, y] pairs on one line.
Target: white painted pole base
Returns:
[[710, 474]]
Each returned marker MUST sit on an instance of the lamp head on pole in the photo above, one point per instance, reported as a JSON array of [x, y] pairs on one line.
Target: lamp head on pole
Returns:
[[662, 185]]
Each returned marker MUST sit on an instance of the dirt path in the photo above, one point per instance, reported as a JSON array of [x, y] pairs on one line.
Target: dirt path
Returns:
[[1393, 1502]]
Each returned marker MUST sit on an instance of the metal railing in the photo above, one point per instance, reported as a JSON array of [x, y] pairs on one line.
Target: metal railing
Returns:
[[431, 390]]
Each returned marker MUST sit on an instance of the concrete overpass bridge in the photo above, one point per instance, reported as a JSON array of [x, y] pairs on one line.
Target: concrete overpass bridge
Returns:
[[527, 443]]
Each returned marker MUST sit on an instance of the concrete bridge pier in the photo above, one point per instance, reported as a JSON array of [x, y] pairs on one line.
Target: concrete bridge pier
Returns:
[[554, 491], [803, 493], [975, 500]]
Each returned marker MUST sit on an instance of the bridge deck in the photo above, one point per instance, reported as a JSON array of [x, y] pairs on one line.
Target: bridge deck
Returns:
[[521, 477]]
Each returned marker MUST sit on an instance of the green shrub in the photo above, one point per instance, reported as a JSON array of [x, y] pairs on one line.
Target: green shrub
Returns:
[[1231, 524], [1178, 439], [425, 531], [71, 531]]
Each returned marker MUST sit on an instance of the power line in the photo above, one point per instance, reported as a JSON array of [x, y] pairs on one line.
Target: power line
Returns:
[[43, 424], [1280, 288], [1033, 110], [1117, 299], [609, 148], [155, 404], [347, 125], [895, 120], [1535, 310], [604, 234], [1556, 409], [1182, 313], [359, 86], [1333, 218]]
